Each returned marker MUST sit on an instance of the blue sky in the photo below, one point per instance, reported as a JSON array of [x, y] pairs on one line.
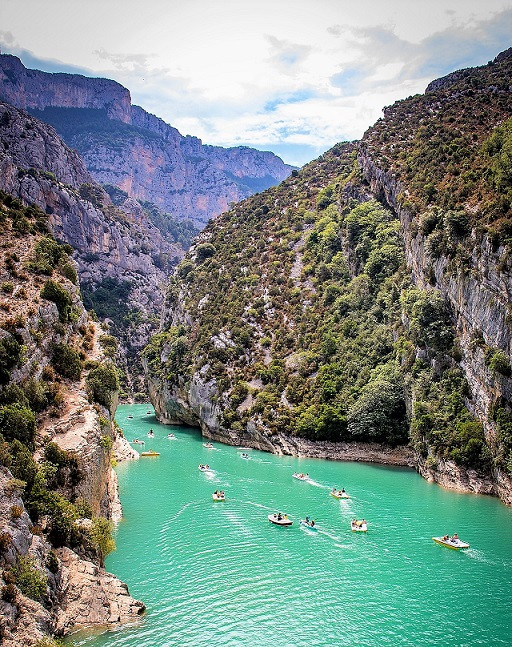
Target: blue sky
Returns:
[[294, 77]]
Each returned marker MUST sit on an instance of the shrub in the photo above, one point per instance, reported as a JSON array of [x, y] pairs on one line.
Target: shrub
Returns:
[[16, 511], [499, 363], [18, 423], [11, 353], [29, 578], [5, 541], [9, 593], [52, 291], [66, 361], [103, 382], [101, 536]]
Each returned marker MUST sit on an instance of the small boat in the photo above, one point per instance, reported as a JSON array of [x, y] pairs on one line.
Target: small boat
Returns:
[[138, 442], [451, 542], [148, 413], [301, 476], [151, 434], [204, 468], [308, 523], [151, 452], [171, 437], [246, 456], [339, 494], [358, 526], [208, 445], [219, 495], [130, 416], [279, 519]]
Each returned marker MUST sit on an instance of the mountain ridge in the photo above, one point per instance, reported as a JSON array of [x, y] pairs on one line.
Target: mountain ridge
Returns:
[[153, 163]]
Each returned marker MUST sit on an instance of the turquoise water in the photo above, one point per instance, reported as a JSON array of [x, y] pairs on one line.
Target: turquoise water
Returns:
[[219, 574]]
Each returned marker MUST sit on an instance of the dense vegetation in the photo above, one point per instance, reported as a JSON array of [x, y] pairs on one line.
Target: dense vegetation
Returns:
[[41, 353], [298, 306]]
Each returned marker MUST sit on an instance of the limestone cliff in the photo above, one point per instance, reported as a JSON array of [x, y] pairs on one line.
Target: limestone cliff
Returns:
[[115, 246], [125, 146]]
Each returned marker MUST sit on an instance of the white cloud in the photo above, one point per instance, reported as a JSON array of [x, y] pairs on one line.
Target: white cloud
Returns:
[[292, 73]]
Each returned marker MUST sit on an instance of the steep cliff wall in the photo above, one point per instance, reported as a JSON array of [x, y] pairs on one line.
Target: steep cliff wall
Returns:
[[125, 146]]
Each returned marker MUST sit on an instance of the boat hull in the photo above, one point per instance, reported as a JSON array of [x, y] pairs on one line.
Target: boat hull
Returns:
[[450, 543], [273, 518], [149, 454]]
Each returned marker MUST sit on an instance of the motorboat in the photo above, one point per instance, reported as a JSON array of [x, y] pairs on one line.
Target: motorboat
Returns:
[[358, 526], [301, 476], [150, 452], [204, 468], [279, 519], [171, 437], [339, 494], [208, 445], [138, 442], [219, 495], [308, 523], [451, 542]]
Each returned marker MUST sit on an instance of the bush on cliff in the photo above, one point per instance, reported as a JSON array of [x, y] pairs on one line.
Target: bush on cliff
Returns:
[[18, 423], [29, 579], [102, 383]]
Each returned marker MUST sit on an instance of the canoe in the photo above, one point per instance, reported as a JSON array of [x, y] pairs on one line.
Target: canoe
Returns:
[[279, 520], [450, 542], [359, 526], [150, 453]]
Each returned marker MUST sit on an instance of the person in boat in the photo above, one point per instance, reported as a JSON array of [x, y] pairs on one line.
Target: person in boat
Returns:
[[279, 516], [312, 523], [455, 536], [342, 491], [445, 537]]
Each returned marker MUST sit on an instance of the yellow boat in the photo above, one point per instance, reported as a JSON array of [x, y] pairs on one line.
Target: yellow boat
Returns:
[[151, 452], [451, 542]]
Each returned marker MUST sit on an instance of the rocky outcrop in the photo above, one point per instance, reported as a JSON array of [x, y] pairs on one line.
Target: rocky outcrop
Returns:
[[91, 597], [136, 151], [78, 594], [34, 89]]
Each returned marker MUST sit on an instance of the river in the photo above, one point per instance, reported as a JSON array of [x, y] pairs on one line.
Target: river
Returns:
[[219, 574]]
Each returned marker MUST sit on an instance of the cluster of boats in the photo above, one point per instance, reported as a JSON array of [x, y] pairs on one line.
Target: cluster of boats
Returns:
[[282, 519]]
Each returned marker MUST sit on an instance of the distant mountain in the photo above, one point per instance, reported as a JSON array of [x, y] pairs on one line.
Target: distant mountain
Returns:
[[365, 300], [127, 147]]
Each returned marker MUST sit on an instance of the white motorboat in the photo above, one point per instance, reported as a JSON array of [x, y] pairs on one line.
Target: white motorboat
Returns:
[[279, 519]]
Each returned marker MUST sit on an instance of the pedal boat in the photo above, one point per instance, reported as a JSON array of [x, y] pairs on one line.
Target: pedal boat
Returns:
[[450, 542], [279, 519], [339, 494], [358, 526], [151, 452], [204, 468], [218, 496]]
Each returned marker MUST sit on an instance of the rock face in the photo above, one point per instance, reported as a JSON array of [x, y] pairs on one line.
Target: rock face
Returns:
[[125, 146], [111, 243], [91, 597]]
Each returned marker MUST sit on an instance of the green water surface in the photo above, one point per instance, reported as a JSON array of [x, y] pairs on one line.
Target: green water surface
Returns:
[[219, 574]]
